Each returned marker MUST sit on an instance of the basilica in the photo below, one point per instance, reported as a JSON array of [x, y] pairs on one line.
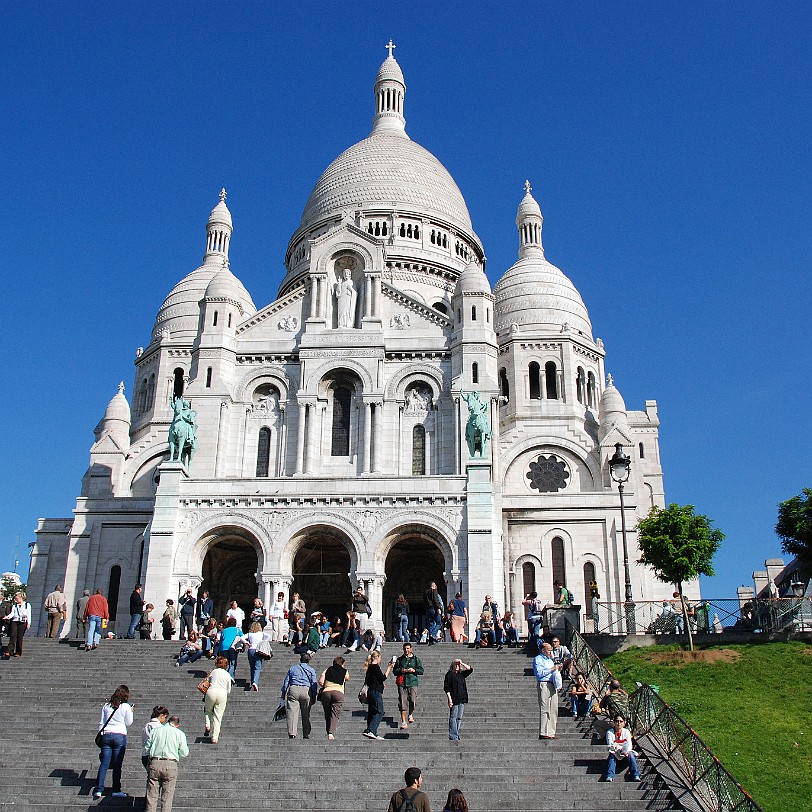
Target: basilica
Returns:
[[388, 421]]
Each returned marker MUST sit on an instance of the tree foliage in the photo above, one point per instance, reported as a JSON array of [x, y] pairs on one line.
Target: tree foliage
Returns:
[[794, 528], [677, 543], [9, 588]]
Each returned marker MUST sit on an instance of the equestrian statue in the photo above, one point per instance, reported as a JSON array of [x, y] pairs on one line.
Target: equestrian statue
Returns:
[[478, 427], [182, 431]]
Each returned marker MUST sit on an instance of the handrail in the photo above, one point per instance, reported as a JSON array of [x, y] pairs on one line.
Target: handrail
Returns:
[[706, 777]]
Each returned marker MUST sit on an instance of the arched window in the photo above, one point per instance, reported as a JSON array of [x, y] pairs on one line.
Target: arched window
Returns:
[[151, 392], [535, 381], [473, 313], [580, 385], [642, 450], [214, 320], [589, 575], [418, 450], [528, 577], [113, 587], [208, 378], [551, 380], [263, 451], [475, 372], [342, 402], [590, 390], [229, 319], [440, 307], [178, 383], [459, 315], [559, 568], [504, 386]]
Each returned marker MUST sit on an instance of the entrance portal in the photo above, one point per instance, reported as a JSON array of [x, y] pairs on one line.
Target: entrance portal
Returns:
[[411, 565], [229, 574], [321, 569]]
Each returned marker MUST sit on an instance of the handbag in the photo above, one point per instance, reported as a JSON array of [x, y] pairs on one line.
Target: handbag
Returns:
[[204, 685], [264, 650], [400, 680], [98, 738], [363, 694]]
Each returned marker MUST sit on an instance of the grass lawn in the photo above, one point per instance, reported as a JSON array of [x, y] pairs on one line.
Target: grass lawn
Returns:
[[754, 712]]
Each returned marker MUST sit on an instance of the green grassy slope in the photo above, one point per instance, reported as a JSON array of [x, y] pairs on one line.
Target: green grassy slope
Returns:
[[754, 713]]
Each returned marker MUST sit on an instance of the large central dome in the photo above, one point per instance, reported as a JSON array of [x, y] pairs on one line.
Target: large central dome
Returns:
[[388, 169]]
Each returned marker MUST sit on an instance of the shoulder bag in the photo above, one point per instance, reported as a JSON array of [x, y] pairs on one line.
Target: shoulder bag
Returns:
[[204, 685], [264, 649], [363, 694], [101, 730]]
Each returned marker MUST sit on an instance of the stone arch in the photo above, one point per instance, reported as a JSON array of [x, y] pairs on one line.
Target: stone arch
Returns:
[[273, 375], [534, 443], [432, 376], [316, 377], [441, 533], [338, 249], [290, 539], [192, 550], [145, 470]]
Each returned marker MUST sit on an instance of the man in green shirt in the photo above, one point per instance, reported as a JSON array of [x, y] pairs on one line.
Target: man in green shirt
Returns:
[[165, 748]]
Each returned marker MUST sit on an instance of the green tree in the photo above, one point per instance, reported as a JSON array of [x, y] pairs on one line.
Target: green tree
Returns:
[[679, 546], [794, 528], [9, 588]]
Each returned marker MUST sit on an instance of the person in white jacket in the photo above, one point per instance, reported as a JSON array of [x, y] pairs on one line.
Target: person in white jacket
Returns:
[[619, 741]]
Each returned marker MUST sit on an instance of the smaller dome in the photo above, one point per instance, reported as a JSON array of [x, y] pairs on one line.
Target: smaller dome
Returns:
[[390, 72], [612, 410], [117, 408], [528, 207], [473, 280], [224, 286], [220, 215]]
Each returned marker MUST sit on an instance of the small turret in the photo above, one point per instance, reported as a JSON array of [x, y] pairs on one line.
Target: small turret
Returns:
[[218, 231], [529, 222], [390, 91], [107, 454], [612, 411]]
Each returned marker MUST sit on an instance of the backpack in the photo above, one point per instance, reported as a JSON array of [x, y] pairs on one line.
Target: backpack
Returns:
[[407, 802]]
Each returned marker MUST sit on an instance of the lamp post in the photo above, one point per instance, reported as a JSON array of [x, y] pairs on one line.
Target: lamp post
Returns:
[[620, 468], [798, 588]]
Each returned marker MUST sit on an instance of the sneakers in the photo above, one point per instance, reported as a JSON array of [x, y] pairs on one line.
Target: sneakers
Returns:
[[411, 720], [609, 780], [376, 737], [97, 793], [254, 687], [403, 726], [330, 736], [369, 734]]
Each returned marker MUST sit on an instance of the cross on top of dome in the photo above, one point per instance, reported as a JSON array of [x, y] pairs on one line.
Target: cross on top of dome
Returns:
[[390, 46], [223, 194], [527, 187]]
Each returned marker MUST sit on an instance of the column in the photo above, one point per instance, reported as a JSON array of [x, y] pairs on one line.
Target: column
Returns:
[[458, 439], [367, 296], [300, 437], [399, 441], [367, 436], [222, 445], [267, 585], [376, 450], [281, 445], [376, 296], [374, 591], [310, 430], [314, 293]]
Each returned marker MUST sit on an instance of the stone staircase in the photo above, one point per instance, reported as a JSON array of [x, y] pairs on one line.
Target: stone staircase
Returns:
[[51, 697]]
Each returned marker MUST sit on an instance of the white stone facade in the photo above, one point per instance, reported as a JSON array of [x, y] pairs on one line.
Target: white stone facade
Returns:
[[331, 426]]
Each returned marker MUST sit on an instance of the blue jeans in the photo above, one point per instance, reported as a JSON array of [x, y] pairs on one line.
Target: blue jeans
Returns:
[[580, 705], [434, 624], [611, 765], [134, 621], [114, 746], [255, 664], [478, 637], [534, 624], [94, 630], [190, 658], [231, 655], [402, 635], [455, 722], [512, 636], [374, 711]]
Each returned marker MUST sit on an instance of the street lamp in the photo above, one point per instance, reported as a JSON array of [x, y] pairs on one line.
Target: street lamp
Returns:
[[620, 468]]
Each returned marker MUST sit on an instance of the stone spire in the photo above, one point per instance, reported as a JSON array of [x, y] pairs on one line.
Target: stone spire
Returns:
[[390, 90], [218, 232], [529, 221]]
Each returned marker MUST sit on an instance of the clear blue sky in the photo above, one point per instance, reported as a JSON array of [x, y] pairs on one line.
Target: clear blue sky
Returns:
[[667, 143]]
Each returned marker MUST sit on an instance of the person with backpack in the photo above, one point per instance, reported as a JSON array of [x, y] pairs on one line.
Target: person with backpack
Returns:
[[410, 798], [407, 670], [534, 610], [563, 597]]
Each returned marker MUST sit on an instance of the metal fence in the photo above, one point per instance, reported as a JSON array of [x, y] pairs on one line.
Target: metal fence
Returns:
[[709, 616], [668, 734]]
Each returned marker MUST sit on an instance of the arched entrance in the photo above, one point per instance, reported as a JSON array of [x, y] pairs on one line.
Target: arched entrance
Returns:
[[321, 570], [413, 562], [230, 574]]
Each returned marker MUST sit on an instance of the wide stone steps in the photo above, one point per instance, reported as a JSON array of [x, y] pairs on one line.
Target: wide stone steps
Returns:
[[51, 698]]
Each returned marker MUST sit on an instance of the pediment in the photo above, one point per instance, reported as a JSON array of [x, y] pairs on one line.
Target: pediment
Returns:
[[281, 319], [616, 435], [106, 445], [411, 305]]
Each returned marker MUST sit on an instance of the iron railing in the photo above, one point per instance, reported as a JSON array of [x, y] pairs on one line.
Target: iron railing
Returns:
[[667, 733], [710, 616]]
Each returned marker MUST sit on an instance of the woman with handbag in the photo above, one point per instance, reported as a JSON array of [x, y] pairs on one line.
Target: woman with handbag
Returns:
[[258, 614], [169, 620], [116, 717], [332, 682], [254, 640], [145, 626], [374, 681], [459, 619], [219, 687], [401, 619]]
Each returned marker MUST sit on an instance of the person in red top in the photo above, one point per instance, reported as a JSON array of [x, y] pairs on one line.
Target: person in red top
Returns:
[[95, 611]]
